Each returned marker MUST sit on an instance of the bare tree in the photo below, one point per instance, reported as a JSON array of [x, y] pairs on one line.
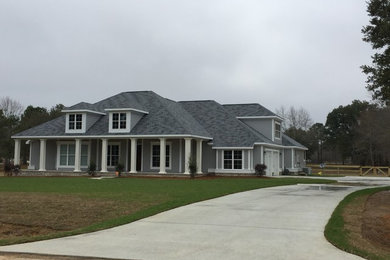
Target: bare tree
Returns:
[[11, 107], [295, 118]]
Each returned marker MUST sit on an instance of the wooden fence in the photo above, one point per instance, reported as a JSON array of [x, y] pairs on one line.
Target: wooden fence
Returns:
[[338, 169]]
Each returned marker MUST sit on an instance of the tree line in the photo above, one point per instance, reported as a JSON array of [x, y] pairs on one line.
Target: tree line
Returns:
[[14, 119], [358, 133]]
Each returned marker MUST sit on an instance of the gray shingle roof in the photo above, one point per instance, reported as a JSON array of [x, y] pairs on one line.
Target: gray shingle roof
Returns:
[[165, 117], [226, 130], [288, 141], [248, 110]]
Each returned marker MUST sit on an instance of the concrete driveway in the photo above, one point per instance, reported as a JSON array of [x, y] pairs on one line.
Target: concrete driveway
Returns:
[[274, 223]]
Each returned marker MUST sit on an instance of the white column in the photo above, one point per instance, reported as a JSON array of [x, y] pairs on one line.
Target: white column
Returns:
[[292, 159], [133, 154], [17, 152], [77, 155], [187, 154], [104, 155], [162, 155], [199, 156], [261, 154], [42, 155]]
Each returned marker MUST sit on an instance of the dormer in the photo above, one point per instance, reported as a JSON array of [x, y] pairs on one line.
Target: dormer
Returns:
[[122, 120], [78, 121], [269, 126]]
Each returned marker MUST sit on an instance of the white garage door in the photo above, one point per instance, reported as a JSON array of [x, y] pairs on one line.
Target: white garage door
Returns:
[[271, 160]]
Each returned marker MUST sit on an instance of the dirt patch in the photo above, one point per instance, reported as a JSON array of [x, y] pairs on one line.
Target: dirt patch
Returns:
[[376, 219], [356, 220], [31, 214]]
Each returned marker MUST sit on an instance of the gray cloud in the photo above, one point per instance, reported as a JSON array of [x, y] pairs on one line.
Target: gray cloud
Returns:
[[301, 53]]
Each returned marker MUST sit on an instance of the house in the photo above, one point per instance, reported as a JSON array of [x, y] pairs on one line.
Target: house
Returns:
[[148, 133]]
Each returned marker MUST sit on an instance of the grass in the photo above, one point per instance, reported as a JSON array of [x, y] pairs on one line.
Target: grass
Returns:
[[336, 231], [105, 203]]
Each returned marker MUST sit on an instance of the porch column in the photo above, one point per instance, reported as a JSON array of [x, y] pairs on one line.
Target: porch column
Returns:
[[199, 156], [261, 154], [17, 152], [187, 155], [133, 158], [162, 155], [77, 155], [104, 155], [292, 158], [42, 155]]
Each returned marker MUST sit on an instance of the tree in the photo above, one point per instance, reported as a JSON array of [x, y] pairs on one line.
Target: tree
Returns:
[[10, 107], [295, 118], [7, 128], [340, 127], [378, 34], [56, 111], [373, 137], [33, 116]]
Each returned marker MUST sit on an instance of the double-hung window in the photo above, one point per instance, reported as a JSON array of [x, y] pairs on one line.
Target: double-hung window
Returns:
[[232, 159], [277, 130], [156, 155], [112, 155], [75, 122], [68, 153], [119, 120]]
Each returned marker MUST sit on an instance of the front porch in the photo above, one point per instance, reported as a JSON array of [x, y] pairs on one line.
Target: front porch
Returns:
[[137, 155]]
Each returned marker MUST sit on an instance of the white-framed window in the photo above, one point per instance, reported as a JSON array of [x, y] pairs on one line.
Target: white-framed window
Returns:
[[113, 154], [278, 132], [119, 122], [232, 159], [75, 123], [67, 151], [155, 155]]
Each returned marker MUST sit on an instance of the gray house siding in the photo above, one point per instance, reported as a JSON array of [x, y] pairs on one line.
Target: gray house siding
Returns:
[[135, 117], [263, 126], [208, 157], [51, 154], [147, 153], [34, 156], [256, 155], [287, 158]]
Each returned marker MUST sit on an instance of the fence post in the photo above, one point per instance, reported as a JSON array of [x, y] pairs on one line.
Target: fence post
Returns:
[[361, 170]]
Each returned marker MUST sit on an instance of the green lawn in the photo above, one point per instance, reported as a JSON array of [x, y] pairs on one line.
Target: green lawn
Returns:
[[105, 203]]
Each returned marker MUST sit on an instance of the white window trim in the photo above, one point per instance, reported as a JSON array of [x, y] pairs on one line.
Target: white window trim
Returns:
[[128, 122], [83, 124], [119, 159], [151, 155], [280, 131], [59, 143], [232, 150]]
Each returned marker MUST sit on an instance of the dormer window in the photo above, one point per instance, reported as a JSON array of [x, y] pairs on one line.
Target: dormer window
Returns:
[[278, 132], [75, 123], [119, 120]]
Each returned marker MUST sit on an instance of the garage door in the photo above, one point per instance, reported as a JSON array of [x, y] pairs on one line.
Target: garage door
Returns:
[[271, 160]]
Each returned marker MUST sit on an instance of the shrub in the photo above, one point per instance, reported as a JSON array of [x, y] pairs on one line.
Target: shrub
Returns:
[[285, 171], [8, 166], [119, 169], [260, 169], [192, 166], [92, 169]]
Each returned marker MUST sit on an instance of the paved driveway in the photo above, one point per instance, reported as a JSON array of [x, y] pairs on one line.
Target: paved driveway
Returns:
[[274, 223]]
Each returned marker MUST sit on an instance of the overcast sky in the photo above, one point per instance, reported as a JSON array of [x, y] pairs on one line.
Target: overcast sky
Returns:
[[289, 52]]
